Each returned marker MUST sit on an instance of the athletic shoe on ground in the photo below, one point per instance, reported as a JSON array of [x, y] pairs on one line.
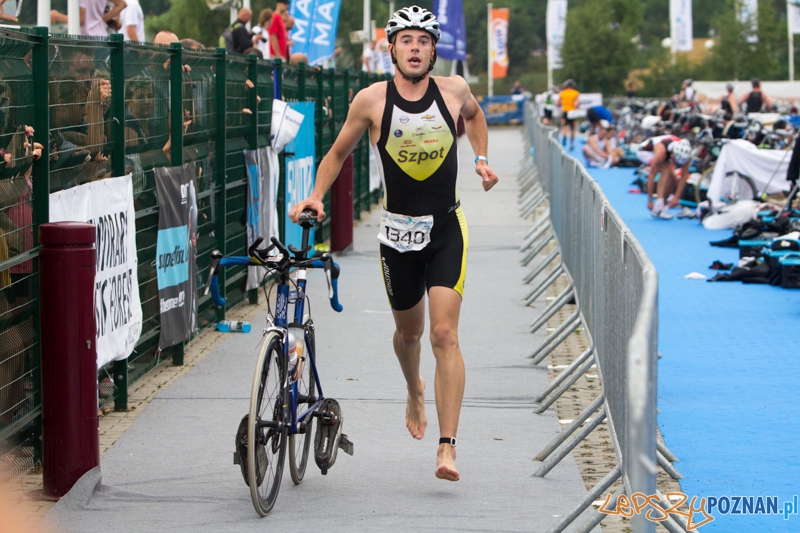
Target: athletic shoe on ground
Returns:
[[687, 213], [663, 214]]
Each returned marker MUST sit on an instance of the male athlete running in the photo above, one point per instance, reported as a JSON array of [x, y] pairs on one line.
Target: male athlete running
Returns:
[[412, 126]]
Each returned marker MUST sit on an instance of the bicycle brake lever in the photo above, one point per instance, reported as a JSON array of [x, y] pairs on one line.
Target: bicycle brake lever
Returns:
[[326, 265], [216, 255]]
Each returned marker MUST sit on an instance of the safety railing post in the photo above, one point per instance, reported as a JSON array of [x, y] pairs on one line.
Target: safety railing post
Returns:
[[176, 103], [176, 137], [301, 81], [40, 70], [117, 66], [278, 77], [220, 165], [252, 133]]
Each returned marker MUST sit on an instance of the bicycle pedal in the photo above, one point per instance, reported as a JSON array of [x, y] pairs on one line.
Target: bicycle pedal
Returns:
[[240, 453], [329, 433], [346, 445]]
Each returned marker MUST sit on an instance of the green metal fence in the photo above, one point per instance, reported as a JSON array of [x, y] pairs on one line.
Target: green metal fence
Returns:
[[115, 108]]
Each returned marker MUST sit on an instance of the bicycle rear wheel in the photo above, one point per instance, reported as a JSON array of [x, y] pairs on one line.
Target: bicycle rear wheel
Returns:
[[300, 443], [739, 187], [266, 432]]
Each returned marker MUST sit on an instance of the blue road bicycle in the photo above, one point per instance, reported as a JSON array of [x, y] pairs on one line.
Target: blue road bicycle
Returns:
[[286, 394]]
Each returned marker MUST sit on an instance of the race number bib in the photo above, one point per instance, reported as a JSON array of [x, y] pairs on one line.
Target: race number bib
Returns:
[[405, 233]]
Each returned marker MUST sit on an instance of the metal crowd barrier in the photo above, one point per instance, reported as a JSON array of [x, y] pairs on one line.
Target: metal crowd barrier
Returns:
[[615, 287], [168, 106]]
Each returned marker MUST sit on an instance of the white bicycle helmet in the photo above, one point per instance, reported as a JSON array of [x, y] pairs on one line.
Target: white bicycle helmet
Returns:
[[413, 17], [682, 151], [650, 121]]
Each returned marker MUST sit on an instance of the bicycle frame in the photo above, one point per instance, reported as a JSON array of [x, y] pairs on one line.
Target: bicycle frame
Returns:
[[282, 302]]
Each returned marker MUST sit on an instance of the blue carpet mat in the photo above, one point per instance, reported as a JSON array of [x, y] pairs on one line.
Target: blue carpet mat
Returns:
[[728, 377]]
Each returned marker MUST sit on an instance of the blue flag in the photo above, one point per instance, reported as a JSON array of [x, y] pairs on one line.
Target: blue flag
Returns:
[[315, 25], [453, 44]]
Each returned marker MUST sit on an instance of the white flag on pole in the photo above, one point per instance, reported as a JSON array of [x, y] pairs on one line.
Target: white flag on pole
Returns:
[[749, 17], [680, 18], [556, 28], [793, 7]]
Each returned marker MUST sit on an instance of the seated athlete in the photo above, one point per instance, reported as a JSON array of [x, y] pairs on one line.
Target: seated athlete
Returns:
[[599, 149]]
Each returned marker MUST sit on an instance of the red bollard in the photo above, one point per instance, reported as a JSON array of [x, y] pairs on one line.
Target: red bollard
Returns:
[[70, 438], [342, 208]]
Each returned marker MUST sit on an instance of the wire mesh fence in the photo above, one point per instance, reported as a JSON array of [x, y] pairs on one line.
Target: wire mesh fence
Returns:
[[102, 108]]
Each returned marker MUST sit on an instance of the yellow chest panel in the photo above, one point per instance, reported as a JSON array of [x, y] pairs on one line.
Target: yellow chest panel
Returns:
[[419, 142]]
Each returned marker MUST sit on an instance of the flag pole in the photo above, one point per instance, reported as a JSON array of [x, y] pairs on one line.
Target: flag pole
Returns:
[[489, 44], [790, 24]]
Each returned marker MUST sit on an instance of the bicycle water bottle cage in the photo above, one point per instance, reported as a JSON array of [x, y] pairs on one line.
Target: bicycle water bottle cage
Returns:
[[329, 436]]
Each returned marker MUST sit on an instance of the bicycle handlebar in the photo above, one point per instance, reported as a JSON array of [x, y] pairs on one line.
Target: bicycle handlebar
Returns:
[[285, 263]]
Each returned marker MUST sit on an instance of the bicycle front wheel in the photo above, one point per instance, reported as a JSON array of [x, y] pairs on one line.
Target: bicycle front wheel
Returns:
[[266, 432], [306, 384]]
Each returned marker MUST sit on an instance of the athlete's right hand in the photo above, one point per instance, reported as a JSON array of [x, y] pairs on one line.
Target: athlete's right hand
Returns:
[[308, 203]]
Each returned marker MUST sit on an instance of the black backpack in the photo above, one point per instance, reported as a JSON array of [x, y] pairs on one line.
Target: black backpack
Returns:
[[226, 39]]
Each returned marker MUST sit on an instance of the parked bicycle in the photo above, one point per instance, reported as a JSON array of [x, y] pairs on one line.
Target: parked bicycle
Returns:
[[286, 393]]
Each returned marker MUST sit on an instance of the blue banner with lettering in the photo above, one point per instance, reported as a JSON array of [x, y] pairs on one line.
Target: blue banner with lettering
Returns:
[[300, 170], [453, 44], [315, 26], [503, 109]]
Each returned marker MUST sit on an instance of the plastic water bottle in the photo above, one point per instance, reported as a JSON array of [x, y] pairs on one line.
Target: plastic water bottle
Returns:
[[228, 326], [296, 344]]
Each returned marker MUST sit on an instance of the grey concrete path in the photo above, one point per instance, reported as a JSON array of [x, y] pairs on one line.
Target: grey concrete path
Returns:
[[172, 470]]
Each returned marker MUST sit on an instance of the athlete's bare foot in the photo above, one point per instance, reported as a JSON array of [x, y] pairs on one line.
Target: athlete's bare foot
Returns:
[[416, 421], [446, 463]]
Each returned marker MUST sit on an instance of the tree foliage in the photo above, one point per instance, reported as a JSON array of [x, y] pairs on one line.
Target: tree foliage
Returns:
[[735, 57], [598, 50], [190, 19]]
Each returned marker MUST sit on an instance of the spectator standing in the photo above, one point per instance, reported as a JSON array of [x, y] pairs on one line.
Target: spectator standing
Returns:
[[259, 32], [728, 102], [371, 58], [240, 35], [756, 100], [278, 36], [687, 92], [549, 104], [568, 100], [133, 21], [94, 17], [517, 88]]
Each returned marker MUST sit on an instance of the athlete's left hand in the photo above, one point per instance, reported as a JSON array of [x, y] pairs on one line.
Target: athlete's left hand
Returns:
[[488, 176]]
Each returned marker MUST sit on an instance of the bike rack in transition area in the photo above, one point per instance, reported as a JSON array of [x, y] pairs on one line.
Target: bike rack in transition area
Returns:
[[615, 287]]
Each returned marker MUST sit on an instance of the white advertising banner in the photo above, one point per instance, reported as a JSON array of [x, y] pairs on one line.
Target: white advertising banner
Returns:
[[108, 204], [680, 19], [748, 16], [556, 29]]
